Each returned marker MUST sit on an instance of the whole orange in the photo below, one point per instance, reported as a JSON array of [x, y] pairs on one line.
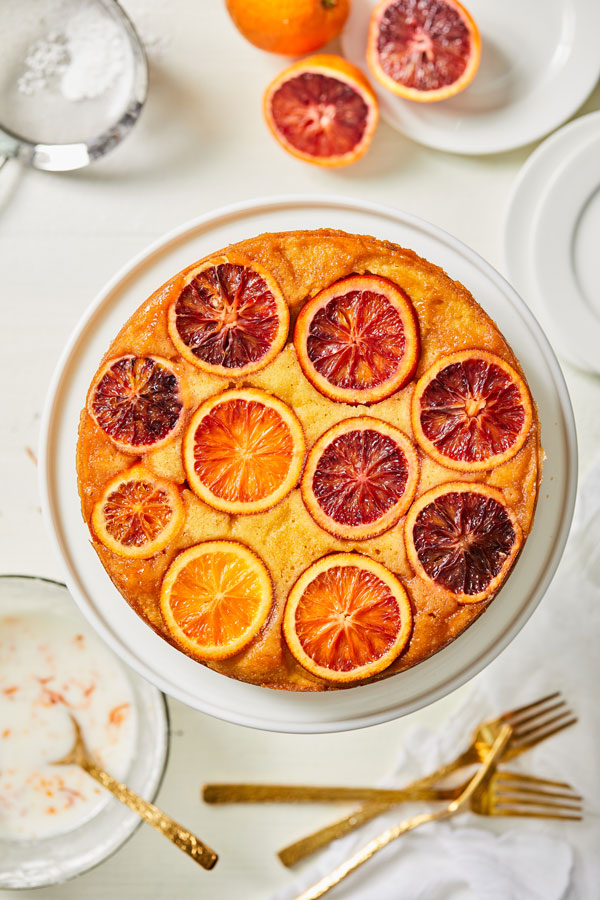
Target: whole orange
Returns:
[[290, 27]]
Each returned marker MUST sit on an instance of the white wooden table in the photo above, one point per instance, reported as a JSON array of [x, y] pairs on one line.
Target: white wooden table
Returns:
[[202, 143]]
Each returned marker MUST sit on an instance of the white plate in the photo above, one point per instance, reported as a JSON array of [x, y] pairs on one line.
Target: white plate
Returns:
[[566, 235], [539, 62], [544, 183], [171, 670]]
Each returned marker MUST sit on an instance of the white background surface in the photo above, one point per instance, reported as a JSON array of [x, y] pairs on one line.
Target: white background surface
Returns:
[[201, 143]]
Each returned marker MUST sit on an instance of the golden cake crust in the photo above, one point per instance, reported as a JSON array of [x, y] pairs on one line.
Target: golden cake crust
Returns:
[[286, 537]]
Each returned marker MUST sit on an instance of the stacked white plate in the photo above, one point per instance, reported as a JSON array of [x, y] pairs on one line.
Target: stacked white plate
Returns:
[[552, 239]]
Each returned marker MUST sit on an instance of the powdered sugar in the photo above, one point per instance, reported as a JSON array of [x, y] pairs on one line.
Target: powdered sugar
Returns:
[[82, 61]]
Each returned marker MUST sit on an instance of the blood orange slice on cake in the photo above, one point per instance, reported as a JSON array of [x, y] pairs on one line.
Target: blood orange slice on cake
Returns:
[[471, 411], [360, 478], [138, 514], [463, 537], [357, 341], [230, 318], [215, 598], [243, 451], [322, 110], [424, 50], [138, 402], [347, 618]]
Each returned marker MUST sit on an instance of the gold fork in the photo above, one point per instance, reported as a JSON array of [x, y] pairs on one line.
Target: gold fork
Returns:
[[514, 794], [180, 836], [533, 723], [390, 834]]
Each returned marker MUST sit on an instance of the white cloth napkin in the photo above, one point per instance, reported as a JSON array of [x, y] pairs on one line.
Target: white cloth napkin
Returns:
[[476, 858]]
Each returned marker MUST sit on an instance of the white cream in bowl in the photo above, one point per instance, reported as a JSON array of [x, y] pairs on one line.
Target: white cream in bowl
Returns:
[[51, 666]]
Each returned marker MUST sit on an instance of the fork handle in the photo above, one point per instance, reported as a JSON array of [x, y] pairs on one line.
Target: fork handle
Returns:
[[299, 850], [299, 793], [176, 833], [369, 850]]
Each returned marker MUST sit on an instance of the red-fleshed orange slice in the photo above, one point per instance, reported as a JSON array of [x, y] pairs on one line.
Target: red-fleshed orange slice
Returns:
[[230, 317], [138, 514], [322, 110], [360, 478], [138, 402], [464, 538], [424, 50], [215, 598], [357, 341], [471, 411], [243, 451], [347, 618]]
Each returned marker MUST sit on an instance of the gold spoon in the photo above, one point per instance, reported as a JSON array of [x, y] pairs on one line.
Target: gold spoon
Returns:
[[181, 837]]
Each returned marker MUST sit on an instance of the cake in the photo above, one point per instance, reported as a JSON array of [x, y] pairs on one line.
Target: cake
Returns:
[[309, 460]]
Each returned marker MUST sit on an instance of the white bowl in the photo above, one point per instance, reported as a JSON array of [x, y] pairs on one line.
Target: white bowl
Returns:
[[52, 860], [177, 674]]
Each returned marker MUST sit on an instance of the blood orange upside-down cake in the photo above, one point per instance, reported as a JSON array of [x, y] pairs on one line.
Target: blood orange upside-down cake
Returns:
[[309, 460]]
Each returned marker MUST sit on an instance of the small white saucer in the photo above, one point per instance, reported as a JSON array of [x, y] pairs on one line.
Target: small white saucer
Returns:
[[551, 239], [539, 62]]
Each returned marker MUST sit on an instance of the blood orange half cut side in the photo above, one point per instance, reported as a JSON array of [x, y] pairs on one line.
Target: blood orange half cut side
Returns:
[[230, 317], [357, 341], [243, 451], [322, 110], [347, 618], [138, 402], [464, 538], [215, 598], [471, 411], [360, 478], [424, 50], [138, 514]]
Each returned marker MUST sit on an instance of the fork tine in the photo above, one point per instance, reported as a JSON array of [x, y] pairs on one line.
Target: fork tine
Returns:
[[537, 735], [527, 814], [542, 722], [520, 722], [505, 776], [514, 799], [527, 798], [513, 790], [532, 806], [510, 714]]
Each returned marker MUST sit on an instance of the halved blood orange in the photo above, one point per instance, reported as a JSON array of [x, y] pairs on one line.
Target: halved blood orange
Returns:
[[243, 451], [322, 110], [357, 341], [138, 402], [463, 537], [423, 50], [215, 598], [360, 478], [347, 618], [138, 514], [471, 411], [230, 317]]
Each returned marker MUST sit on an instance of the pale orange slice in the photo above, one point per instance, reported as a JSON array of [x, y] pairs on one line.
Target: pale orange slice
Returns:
[[347, 618], [138, 514], [243, 451], [215, 598]]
